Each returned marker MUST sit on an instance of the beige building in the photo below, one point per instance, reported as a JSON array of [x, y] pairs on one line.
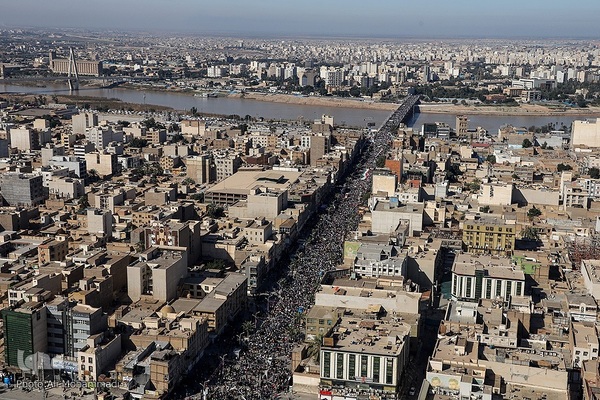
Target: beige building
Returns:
[[158, 277], [586, 133], [104, 164], [97, 356], [495, 194], [224, 302], [83, 121], [384, 183], [24, 139], [201, 168], [259, 231], [489, 237], [55, 250], [386, 216]]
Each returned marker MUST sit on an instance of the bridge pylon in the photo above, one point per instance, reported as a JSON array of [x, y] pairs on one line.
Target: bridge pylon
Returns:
[[73, 75]]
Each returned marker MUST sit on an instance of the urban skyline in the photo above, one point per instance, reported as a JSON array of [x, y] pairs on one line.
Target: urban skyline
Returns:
[[464, 18]]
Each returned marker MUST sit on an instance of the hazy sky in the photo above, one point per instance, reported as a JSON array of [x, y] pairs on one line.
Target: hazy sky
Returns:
[[392, 18]]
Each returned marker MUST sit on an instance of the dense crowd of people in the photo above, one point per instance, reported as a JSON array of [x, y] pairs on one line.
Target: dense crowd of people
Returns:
[[262, 368]]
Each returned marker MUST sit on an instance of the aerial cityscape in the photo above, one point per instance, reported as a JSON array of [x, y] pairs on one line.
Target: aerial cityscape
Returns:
[[342, 201]]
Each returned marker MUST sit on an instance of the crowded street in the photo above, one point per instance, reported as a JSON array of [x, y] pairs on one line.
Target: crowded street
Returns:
[[261, 369]]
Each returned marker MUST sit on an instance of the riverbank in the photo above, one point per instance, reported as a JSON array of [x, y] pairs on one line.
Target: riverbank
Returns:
[[317, 101], [86, 102], [520, 110]]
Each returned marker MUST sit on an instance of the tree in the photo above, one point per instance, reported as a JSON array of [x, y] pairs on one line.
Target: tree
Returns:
[[83, 202], [216, 264], [563, 167], [594, 173], [138, 142], [527, 143], [188, 181], [475, 185], [485, 209], [214, 212], [533, 212], [354, 91], [491, 159], [178, 137], [247, 328], [530, 233], [197, 197], [174, 127], [380, 163], [314, 347], [93, 175]]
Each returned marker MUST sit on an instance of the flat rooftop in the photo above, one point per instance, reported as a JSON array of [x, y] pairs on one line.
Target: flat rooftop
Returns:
[[379, 337], [496, 267], [242, 182]]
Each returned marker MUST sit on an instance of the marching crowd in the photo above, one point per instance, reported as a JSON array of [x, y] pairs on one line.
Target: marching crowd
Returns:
[[262, 369]]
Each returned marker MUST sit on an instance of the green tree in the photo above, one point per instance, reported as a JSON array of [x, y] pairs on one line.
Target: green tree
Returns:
[[177, 138], [188, 181], [216, 264], [93, 175], [594, 173], [530, 233], [197, 197], [247, 327], [563, 167], [484, 209], [526, 143], [491, 159], [214, 212], [475, 185], [83, 202], [138, 142], [533, 212], [314, 347], [380, 162]]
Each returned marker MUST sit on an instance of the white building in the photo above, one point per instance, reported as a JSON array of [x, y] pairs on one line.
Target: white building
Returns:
[[485, 277]]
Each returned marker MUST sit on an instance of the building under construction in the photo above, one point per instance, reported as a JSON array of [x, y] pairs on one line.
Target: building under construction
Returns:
[[583, 248], [61, 66]]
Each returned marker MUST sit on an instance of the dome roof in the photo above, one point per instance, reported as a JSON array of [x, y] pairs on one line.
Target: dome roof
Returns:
[[166, 310]]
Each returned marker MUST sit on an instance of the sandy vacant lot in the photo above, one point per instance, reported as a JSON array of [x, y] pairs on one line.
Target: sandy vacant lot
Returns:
[[319, 101], [524, 109]]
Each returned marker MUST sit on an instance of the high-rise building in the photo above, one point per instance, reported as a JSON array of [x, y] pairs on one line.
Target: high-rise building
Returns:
[[25, 333], [22, 189], [82, 122], [24, 139], [102, 136], [319, 146], [71, 324], [462, 125]]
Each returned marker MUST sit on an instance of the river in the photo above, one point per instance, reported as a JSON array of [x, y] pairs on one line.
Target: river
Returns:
[[271, 110], [219, 105]]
